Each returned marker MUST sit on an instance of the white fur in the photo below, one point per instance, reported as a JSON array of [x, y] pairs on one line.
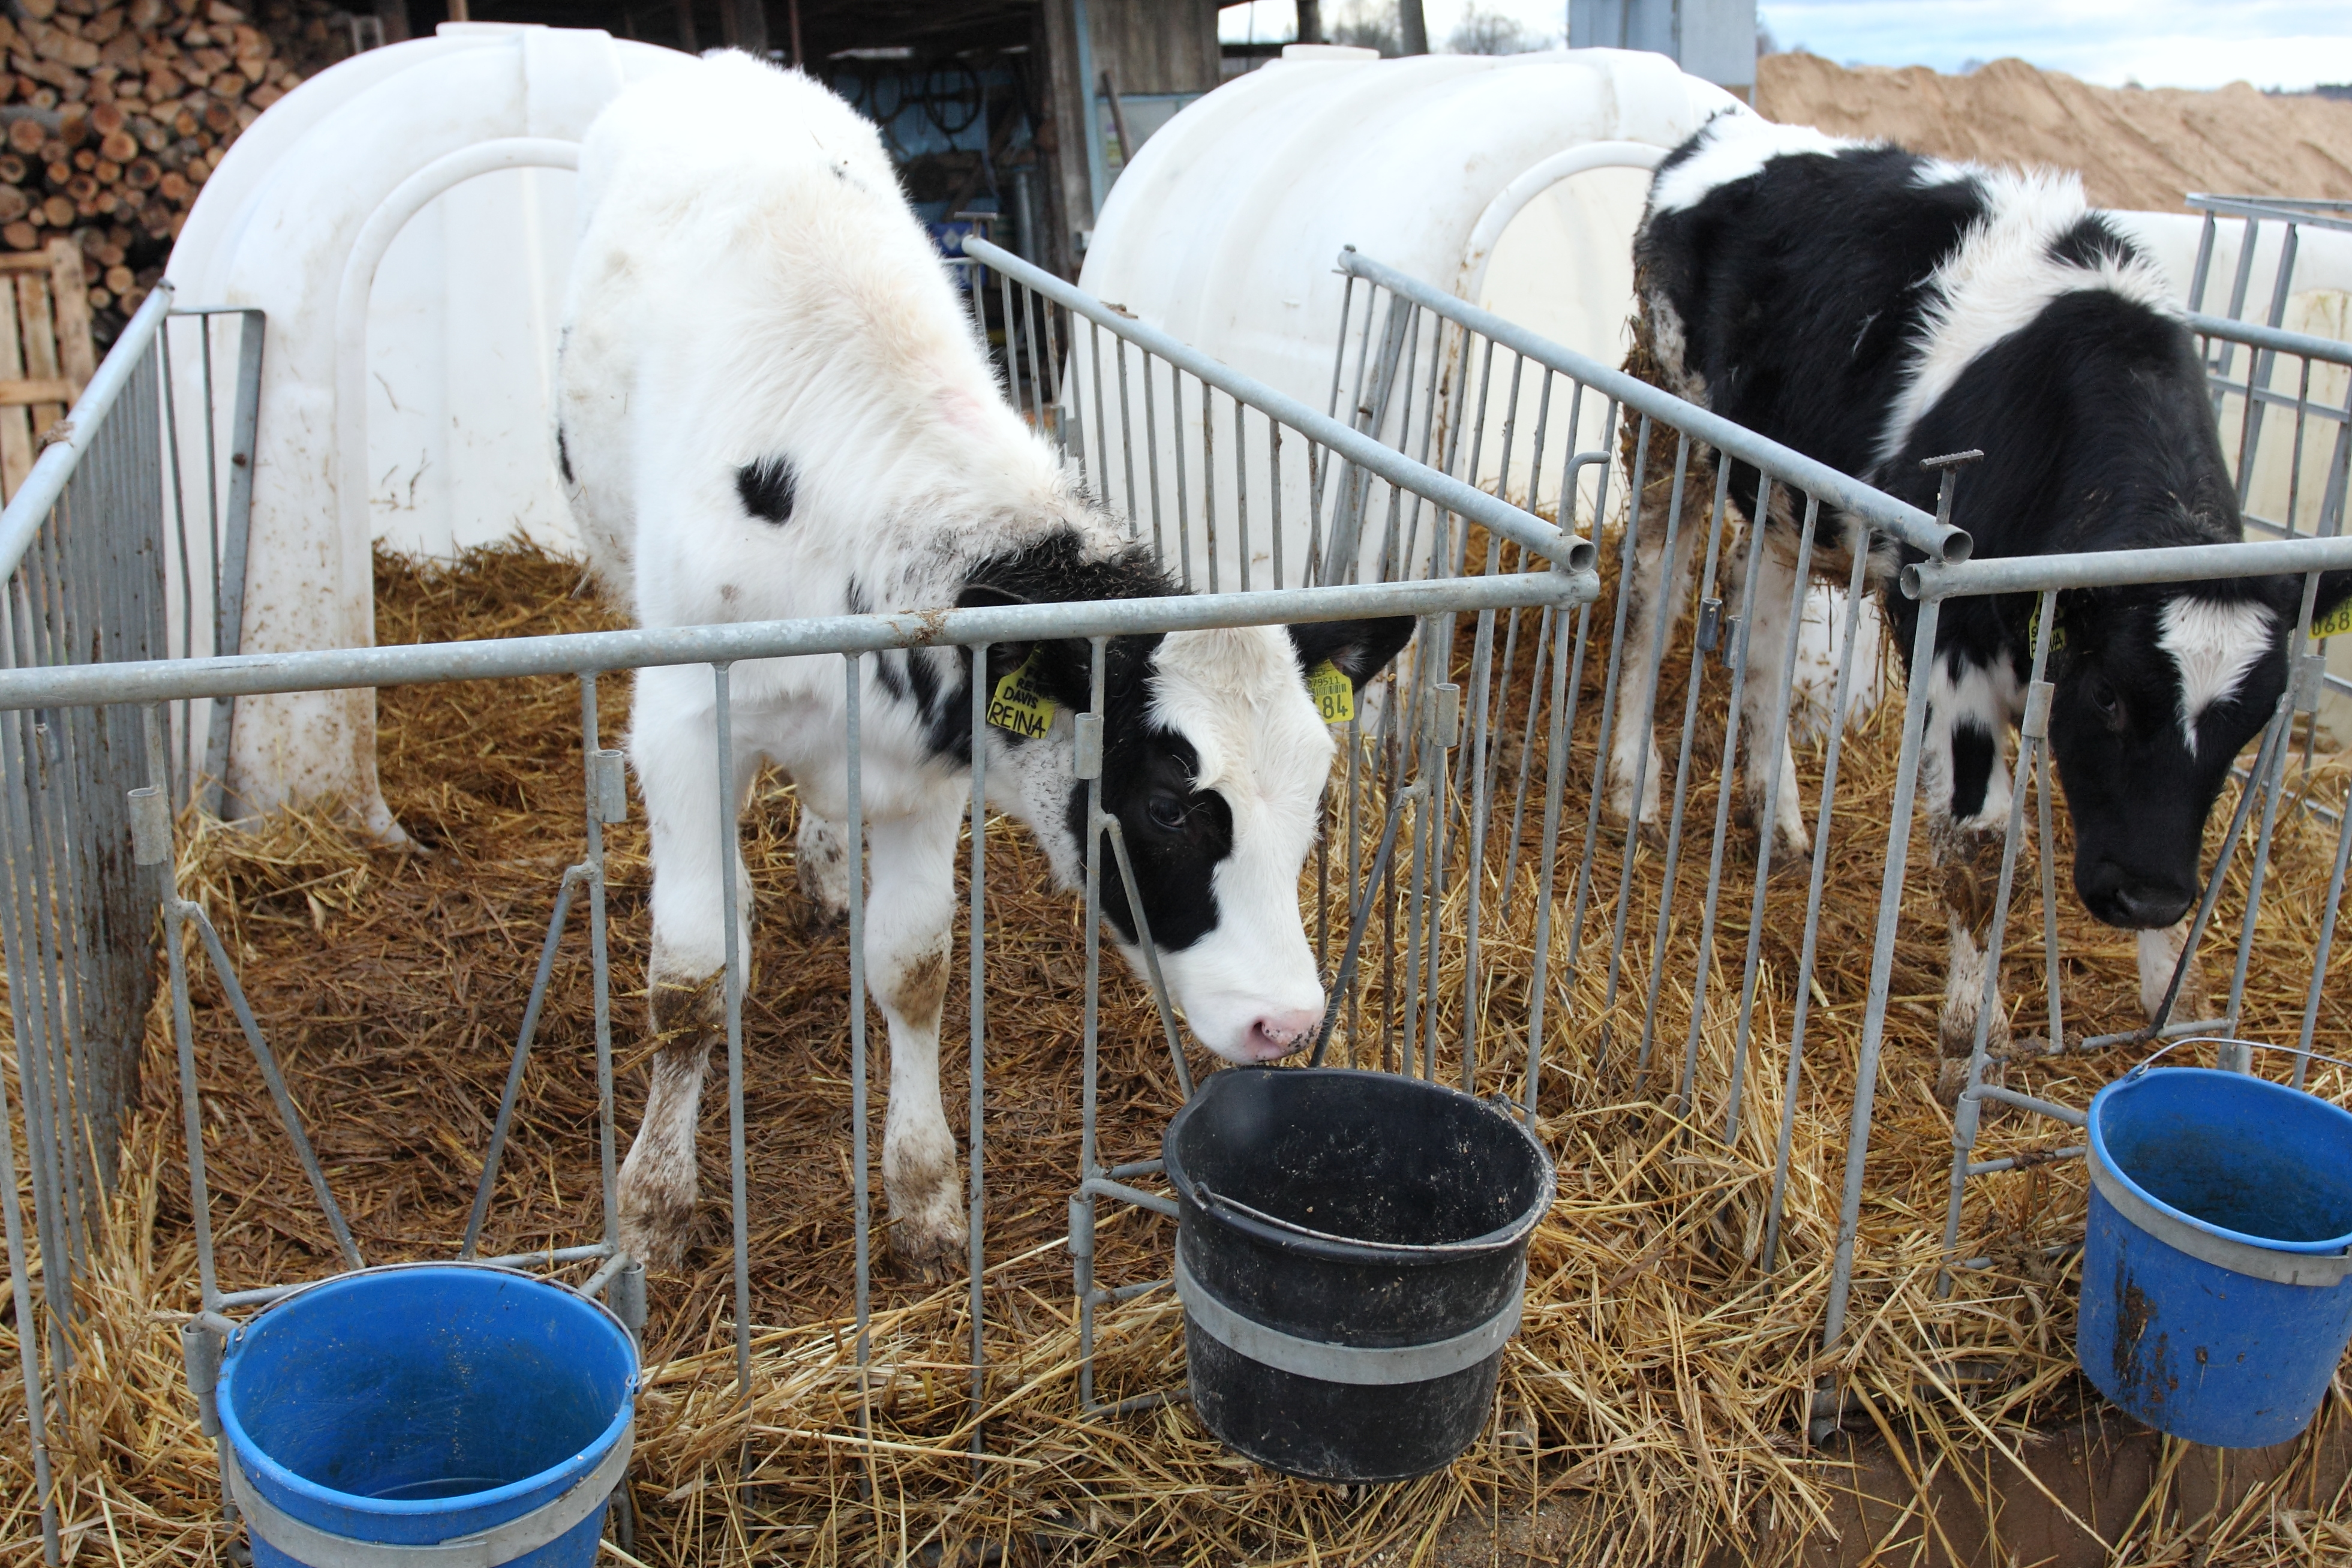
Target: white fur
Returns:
[[2000, 279], [1237, 698], [1733, 146], [750, 281], [2214, 643]]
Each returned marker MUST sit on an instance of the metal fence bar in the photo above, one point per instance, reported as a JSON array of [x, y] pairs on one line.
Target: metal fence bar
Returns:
[[976, 1258], [731, 807], [1357, 448], [1882, 967], [428, 663], [1841, 693], [1938, 542]]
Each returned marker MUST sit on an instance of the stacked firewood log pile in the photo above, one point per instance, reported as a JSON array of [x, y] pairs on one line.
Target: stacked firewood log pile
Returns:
[[114, 112]]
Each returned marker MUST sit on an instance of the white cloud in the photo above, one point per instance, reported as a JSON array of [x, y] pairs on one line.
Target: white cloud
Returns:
[[2160, 42]]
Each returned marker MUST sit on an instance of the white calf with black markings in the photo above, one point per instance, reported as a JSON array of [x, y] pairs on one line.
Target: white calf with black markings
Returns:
[[773, 404], [1873, 310]]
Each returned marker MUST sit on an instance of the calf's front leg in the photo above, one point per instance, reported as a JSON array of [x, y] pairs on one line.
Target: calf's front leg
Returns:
[[823, 859], [673, 746], [908, 913], [1964, 777], [1769, 603], [1654, 586]]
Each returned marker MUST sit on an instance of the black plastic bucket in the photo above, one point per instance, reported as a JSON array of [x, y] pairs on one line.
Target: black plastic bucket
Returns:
[[1351, 1258]]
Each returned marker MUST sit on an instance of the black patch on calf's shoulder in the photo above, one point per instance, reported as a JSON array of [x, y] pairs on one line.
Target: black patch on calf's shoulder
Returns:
[[766, 488], [2098, 435], [1802, 288]]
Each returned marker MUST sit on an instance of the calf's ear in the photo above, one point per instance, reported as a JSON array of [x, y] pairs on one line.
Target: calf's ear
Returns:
[[1358, 649], [1060, 669], [2334, 594]]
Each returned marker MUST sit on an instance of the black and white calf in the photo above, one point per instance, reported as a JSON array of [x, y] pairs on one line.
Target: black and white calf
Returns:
[[1872, 308], [772, 404]]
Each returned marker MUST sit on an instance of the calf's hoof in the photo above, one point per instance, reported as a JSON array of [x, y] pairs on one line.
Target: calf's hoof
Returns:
[[654, 1228], [928, 1254], [1952, 1082], [813, 917]]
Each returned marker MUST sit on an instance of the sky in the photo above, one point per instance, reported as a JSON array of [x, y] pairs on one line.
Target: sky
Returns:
[[2290, 44]]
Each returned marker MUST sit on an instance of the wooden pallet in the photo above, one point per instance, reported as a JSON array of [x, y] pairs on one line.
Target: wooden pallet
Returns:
[[46, 352]]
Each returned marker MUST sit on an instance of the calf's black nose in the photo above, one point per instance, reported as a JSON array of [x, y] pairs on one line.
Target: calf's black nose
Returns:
[[2144, 908]]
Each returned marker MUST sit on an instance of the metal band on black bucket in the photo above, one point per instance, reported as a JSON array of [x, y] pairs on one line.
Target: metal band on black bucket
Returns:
[[1384, 1366], [501, 1543], [2314, 1268]]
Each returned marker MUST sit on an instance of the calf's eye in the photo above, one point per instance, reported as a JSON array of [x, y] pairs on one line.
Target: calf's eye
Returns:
[[1166, 812], [2104, 697]]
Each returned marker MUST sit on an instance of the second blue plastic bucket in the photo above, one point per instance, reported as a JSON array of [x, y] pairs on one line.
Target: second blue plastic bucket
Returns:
[[411, 1406], [2217, 1295]]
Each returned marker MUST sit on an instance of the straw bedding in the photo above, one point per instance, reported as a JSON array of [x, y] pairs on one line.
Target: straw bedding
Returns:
[[1651, 1409]]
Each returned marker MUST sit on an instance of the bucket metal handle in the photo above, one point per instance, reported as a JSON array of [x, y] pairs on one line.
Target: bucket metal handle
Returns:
[[1212, 1198], [2233, 1040], [501, 1543]]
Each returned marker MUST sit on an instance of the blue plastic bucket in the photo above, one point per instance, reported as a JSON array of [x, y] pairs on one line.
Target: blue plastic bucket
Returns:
[[2216, 1301], [429, 1405]]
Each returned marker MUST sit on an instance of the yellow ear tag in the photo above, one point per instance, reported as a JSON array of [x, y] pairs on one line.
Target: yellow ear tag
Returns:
[[1334, 694], [2335, 622], [1017, 707], [2034, 631]]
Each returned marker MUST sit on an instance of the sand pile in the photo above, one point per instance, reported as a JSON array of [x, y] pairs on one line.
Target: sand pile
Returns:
[[2141, 148]]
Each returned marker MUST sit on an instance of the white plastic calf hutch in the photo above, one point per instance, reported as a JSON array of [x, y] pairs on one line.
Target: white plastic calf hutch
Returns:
[[404, 222], [1514, 182]]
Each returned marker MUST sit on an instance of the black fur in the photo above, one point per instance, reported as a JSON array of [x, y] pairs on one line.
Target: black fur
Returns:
[[1358, 649], [1972, 760], [563, 455], [766, 487], [1802, 292], [1176, 834], [1147, 771]]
